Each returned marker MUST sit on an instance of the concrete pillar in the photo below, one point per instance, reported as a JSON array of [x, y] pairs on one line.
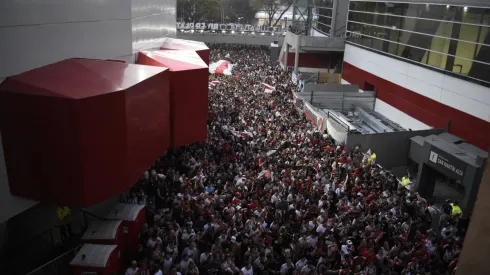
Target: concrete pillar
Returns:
[[296, 56], [333, 25], [286, 55], [476, 248]]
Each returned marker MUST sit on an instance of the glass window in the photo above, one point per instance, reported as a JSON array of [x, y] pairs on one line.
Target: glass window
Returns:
[[483, 53], [473, 16], [370, 7], [357, 5], [381, 7]]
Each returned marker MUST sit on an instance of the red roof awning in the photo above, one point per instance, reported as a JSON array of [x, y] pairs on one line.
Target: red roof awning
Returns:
[[80, 131], [189, 92], [181, 44]]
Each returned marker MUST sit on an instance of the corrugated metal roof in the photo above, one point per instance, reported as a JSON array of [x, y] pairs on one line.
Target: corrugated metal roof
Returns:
[[93, 255], [102, 230], [125, 212]]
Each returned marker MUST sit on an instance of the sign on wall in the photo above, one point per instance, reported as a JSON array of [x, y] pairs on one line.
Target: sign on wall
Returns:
[[447, 163], [226, 27]]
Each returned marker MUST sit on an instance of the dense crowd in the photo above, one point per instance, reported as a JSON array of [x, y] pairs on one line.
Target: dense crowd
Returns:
[[269, 194]]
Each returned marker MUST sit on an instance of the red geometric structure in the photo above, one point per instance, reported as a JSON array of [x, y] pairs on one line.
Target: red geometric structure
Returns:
[[188, 92], [181, 44], [80, 131]]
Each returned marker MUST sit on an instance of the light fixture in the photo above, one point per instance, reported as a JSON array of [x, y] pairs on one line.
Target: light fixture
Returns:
[[232, 32], [447, 6], [465, 8], [192, 31], [202, 31], [243, 32], [263, 33], [223, 31], [253, 33]]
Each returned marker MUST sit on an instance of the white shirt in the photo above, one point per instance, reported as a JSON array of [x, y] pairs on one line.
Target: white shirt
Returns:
[[246, 271], [131, 271], [321, 229], [284, 269]]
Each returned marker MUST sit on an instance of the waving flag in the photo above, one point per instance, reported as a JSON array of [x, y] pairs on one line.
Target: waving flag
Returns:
[[223, 67], [214, 83], [265, 173], [268, 89]]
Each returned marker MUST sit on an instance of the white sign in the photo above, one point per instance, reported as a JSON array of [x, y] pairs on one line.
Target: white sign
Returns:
[[435, 158], [226, 27]]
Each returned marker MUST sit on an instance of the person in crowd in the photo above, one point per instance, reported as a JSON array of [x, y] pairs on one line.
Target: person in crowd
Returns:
[[269, 193]]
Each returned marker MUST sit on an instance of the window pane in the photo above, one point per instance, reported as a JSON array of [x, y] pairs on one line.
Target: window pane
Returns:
[[483, 53], [436, 60], [381, 7], [399, 8], [371, 6], [473, 16], [358, 5]]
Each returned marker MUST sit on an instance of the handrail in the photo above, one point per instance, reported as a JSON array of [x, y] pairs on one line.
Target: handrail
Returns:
[[91, 214], [75, 249]]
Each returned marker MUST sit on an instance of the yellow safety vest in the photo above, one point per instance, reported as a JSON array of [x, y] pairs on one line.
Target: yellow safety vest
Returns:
[[456, 210], [63, 212], [373, 157], [405, 181]]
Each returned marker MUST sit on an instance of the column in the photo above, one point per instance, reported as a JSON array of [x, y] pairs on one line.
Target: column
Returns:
[[333, 24], [296, 56], [286, 55]]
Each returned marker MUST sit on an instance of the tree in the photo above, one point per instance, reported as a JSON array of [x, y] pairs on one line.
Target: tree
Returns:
[[239, 11], [194, 11], [273, 7]]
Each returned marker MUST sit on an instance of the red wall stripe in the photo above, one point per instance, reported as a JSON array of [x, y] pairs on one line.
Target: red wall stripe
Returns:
[[472, 129]]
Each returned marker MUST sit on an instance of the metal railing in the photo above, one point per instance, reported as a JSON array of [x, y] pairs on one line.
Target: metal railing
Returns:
[[57, 266]]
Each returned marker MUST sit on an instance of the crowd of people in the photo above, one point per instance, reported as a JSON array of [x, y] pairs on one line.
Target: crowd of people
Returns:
[[269, 194]]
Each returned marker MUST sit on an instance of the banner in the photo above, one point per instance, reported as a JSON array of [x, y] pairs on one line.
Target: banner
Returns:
[[302, 85], [227, 27], [294, 78], [223, 67], [268, 89]]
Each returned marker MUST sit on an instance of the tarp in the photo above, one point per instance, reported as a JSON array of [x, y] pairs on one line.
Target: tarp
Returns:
[[69, 131], [222, 67]]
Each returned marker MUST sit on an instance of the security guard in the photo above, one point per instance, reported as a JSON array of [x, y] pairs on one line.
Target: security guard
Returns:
[[372, 159], [64, 216], [406, 181], [456, 211]]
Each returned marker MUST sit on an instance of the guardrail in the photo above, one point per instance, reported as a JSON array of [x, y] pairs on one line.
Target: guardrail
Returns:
[[57, 266]]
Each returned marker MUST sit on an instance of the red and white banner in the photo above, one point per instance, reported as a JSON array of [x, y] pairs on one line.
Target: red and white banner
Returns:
[[222, 67], [265, 173], [214, 83], [268, 89]]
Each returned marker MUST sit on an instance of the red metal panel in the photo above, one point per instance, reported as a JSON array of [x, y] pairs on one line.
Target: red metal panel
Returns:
[[80, 131], [189, 93], [147, 124], [181, 44], [430, 112]]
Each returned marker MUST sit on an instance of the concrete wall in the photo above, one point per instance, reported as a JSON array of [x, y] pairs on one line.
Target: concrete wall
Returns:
[[392, 149], [36, 33], [246, 39]]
